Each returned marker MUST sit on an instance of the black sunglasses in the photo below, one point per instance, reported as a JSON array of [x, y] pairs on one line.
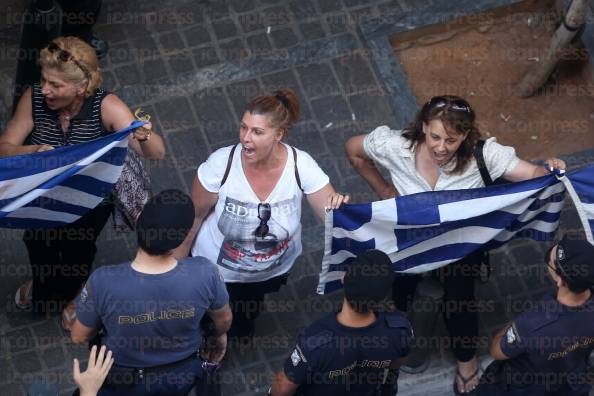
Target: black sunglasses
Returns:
[[558, 270], [547, 259], [264, 215], [456, 104], [66, 56]]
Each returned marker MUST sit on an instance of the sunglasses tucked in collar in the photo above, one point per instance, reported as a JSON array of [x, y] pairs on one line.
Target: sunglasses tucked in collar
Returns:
[[264, 213]]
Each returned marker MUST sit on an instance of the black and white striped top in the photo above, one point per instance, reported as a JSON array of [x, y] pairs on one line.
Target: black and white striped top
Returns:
[[84, 126]]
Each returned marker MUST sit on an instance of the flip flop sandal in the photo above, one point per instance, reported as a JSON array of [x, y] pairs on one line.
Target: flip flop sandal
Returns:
[[67, 318], [464, 382], [24, 300]]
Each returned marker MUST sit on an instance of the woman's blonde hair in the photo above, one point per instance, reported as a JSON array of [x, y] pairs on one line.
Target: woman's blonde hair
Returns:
[[82, 66]]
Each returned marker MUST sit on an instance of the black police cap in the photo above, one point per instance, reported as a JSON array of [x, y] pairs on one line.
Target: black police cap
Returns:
[[575, 261]]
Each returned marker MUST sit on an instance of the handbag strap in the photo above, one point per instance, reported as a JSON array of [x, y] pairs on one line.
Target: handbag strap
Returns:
[[485, 265], [229, 161], [296, 170], [480, 162]]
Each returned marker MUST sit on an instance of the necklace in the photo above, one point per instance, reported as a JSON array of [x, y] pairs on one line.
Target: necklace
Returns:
[[67, 115]]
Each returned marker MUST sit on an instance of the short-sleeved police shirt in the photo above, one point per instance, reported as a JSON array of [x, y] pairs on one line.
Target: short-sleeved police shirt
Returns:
[[550, 344], [151, 319], [332, 359]]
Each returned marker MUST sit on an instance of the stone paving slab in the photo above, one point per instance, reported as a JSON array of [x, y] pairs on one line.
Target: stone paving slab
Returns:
[[193, 64]]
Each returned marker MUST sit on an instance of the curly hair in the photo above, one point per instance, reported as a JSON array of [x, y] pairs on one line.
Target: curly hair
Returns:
[[82, 66]]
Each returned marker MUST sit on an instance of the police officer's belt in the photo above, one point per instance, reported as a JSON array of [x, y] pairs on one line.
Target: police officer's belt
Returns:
[[158, 369]]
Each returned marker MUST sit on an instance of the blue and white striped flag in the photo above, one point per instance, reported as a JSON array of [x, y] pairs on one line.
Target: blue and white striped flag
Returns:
[[424, 231], [57, 187]]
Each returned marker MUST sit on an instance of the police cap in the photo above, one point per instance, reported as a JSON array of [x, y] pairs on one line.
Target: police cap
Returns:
[[575, 261]]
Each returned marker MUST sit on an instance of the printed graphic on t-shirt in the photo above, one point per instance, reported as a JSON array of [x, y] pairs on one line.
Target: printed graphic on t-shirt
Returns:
[[242, 250]]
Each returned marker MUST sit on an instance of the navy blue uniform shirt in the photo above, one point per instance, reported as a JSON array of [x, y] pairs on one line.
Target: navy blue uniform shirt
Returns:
[[151, 319], [549, 345], [332, 359]]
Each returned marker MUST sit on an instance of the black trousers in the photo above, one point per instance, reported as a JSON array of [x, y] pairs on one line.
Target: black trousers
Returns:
[[531, 390], [79, 17], [498, 377], [459, 303], [175, 381], [246, 301], [61, 258]]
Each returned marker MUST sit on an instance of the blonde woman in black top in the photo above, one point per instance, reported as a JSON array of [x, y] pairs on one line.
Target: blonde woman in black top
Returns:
[[67, 107]]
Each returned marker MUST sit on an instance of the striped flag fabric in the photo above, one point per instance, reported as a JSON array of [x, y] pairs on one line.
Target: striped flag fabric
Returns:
[[425, 231], [580, 187], [57, 187]]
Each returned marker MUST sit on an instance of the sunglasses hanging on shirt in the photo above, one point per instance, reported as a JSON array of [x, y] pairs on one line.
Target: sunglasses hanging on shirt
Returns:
[[264, 213]]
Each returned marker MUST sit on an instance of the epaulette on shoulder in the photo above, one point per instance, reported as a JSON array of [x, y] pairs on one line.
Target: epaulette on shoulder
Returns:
[[317, 339], [395, 320], [544, 313], [535, 321]]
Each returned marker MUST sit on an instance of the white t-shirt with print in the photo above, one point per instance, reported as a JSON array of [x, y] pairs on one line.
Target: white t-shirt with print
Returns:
[[227, 236], [388, 148]]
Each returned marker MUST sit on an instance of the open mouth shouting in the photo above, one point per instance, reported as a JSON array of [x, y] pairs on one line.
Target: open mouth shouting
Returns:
[[248, 151]]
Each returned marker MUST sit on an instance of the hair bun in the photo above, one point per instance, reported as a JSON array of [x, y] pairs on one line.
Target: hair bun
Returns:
[[280, 95]]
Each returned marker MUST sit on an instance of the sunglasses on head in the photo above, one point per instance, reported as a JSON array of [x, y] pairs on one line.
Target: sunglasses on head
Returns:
[[264, 212], [456, 104], [66, 56]]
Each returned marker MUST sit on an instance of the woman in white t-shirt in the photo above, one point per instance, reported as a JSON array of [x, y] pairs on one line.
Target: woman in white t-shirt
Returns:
[[437, 152], [248, 205]]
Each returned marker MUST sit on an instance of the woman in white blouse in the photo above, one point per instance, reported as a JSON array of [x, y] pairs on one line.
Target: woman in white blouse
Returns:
[[436, 152], [248, 205]]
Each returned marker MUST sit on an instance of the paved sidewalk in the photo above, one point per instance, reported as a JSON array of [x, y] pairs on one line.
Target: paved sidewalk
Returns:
[[193, 64]]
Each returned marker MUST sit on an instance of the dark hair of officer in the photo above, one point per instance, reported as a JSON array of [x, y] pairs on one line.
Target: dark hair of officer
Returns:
[[367, 280], [164, 222], [456, 114], [282, 108]]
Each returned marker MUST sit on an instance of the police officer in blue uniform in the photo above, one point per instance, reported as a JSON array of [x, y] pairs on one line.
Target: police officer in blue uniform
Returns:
[[356, 351], [545, 351], [151, 308]]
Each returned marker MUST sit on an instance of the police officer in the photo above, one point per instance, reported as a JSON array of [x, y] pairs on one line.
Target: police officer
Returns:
[[356, 351], [545, 351], [151, 307]]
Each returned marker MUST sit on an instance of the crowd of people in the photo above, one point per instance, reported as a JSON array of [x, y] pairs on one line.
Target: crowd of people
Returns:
[[205, 262]]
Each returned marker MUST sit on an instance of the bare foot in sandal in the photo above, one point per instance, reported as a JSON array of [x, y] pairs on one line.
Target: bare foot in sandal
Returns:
[[467, 377], [23, 298], [68, 316]]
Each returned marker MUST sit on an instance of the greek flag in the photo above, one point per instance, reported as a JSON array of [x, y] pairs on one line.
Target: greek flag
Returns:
[[57, 187], [421, 232]]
